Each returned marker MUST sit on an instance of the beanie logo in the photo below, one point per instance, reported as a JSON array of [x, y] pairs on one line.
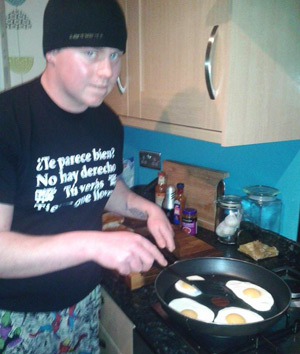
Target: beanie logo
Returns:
[[76, 36]]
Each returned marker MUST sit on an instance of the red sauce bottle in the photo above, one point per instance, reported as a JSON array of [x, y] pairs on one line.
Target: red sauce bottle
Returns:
[[160, 188]]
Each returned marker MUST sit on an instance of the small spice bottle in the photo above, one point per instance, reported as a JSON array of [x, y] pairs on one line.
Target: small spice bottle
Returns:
[[189, 221], [179, 204]]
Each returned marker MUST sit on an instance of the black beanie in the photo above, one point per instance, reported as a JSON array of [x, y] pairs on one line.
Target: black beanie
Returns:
[[84, 23]]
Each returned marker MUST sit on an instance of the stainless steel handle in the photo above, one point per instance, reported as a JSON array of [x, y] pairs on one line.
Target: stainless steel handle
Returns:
[[207, 64], [121, 88]]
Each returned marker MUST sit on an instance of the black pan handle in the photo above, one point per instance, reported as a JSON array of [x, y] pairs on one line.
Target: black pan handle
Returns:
[[169, 256], [151, 185]]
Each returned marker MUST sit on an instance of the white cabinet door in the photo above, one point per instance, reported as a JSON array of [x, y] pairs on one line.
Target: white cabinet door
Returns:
[[118, 98], [254, 69], [262, 94], [108, 346], [118, 329], [167, 44]]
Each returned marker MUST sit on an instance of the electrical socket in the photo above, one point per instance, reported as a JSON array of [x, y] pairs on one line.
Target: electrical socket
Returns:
[[150, 159]]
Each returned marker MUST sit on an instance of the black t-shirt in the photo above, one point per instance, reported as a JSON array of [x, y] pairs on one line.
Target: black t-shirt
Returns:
[[58, 169]]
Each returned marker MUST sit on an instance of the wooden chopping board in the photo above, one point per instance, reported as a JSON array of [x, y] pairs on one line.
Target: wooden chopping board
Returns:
[[187, 246], [202, 187]]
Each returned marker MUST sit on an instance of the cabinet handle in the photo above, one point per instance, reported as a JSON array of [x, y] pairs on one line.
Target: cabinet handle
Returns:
[[122, 88], [102, 343], [207, 64]]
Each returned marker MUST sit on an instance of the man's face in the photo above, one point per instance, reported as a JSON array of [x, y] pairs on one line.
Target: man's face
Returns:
[[85, 76]]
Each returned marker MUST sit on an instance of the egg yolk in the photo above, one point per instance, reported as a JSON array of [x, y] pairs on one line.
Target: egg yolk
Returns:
[[189, 313], [187, 286], [251, 292], [234, 318]]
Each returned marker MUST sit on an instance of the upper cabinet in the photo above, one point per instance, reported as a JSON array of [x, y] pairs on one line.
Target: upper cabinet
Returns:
[[118, 98], [225, 71]]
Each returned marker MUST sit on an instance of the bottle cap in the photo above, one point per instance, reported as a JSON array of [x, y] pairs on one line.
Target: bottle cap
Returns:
[[190, 211]]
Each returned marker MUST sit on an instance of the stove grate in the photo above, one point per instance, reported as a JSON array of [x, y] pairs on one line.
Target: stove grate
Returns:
[[282, 338]]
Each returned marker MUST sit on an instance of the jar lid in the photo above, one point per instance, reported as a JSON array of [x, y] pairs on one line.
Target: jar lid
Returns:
[[262, 193], [189, 211], [180, 185], [230, 201]]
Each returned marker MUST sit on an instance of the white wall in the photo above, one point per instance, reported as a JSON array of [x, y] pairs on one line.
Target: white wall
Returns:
[[4, 70], [24, 20]]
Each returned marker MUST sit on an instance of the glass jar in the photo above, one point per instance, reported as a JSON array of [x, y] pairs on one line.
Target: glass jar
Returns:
[[262, 208], [189, 221], [228, 218]]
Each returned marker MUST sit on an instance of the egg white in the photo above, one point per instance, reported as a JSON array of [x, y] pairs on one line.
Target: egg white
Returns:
[[262, 303], [248, 315], [188, 291], [204, 313]]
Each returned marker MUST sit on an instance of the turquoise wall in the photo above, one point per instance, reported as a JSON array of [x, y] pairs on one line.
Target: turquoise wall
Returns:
[[273, 164]]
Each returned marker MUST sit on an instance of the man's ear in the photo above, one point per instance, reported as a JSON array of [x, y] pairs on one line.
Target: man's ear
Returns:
[[50, 56]]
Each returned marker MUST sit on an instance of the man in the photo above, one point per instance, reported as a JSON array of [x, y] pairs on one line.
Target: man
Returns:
[[60, 158]]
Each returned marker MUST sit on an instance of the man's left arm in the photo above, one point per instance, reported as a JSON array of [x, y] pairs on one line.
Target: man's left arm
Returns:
[[124, 202]]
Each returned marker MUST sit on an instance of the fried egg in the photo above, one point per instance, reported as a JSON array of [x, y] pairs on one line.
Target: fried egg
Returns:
[[188, 289], [255, 296], [191, 308], [236, 316]]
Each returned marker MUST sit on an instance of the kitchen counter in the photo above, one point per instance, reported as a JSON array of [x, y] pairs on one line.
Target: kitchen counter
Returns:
[[136, 304]]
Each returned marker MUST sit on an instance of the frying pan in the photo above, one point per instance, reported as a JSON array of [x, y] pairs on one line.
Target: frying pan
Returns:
[[147, 191], [223, 269]]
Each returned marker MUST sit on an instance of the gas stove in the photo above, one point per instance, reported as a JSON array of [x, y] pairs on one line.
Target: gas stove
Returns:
[[282, 338]]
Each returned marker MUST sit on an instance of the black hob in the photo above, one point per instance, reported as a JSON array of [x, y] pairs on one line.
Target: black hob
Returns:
[[281, 338]]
